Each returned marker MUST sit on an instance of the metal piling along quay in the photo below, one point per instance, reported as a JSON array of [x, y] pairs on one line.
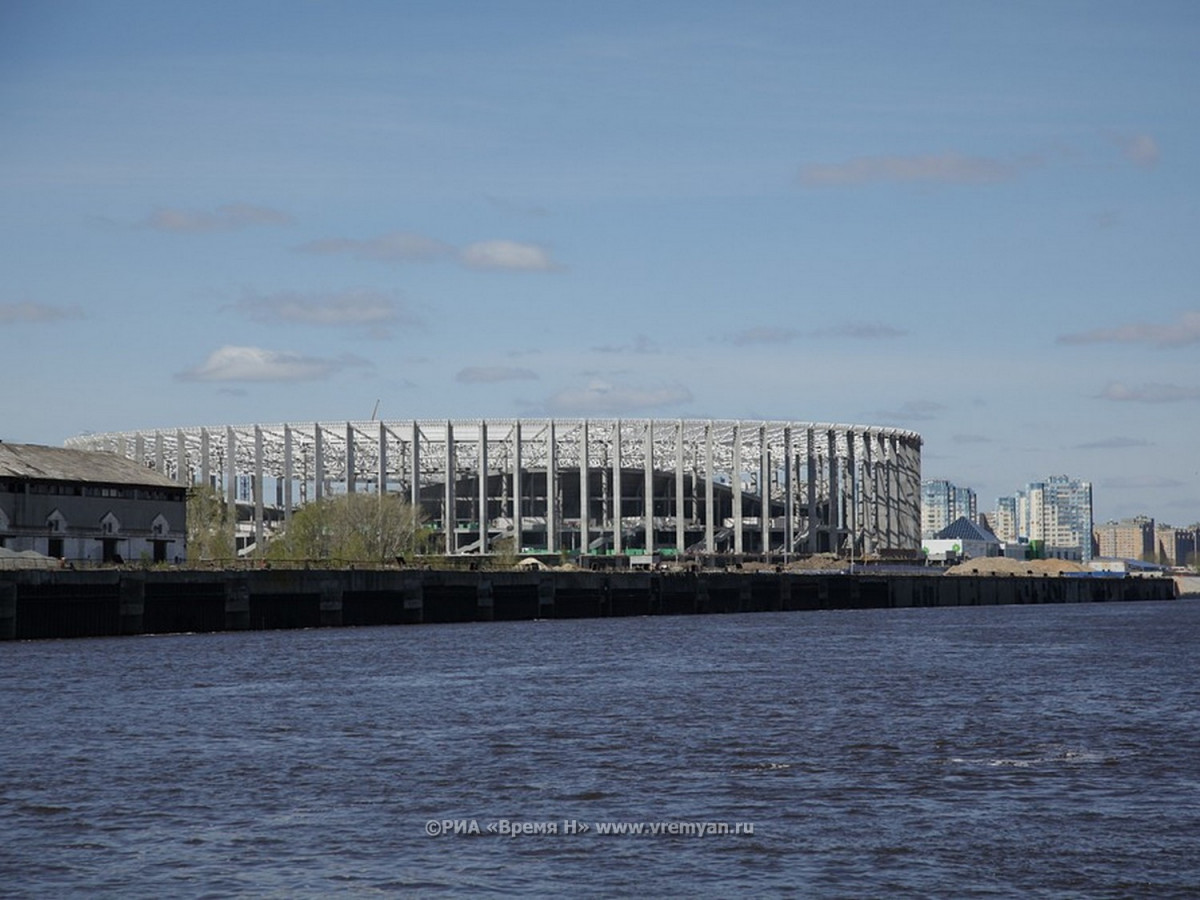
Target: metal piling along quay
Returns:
[[58, 604]]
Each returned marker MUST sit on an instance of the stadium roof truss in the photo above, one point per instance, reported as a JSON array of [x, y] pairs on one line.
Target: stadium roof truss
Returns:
[[575, 484]]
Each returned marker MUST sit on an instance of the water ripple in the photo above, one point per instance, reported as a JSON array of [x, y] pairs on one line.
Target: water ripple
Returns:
[[998, 751]]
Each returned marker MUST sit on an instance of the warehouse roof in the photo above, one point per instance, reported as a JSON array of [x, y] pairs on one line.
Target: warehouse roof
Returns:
[[35, 461]]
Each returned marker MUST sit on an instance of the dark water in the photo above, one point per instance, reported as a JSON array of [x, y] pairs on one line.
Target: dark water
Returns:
[[1007, 751]]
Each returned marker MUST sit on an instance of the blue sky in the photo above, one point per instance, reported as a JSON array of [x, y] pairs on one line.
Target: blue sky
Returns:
[[976, 220]]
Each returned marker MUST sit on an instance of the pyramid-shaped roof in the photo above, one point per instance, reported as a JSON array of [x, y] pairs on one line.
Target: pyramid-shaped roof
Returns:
[[963, 529]]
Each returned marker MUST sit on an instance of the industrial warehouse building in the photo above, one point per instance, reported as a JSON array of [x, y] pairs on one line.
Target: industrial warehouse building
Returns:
[[593, 486], [84, 506]]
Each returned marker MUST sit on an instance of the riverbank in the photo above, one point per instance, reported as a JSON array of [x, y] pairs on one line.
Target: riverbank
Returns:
[[65, 603]]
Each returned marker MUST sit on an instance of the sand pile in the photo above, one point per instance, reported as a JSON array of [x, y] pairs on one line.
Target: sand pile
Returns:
[[27, 559], [818, 561], [1002, 565]]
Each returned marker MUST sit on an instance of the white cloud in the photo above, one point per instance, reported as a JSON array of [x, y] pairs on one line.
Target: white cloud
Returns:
[[1149, 393], [779, 334], [641, 345], [1139, 149], [506, 255], [861, 331], [24, 313], [915, 410], [369, 309], [408, 247], [231, 217], [600, 397], [764, 334], [947, 168], [1185, 331], [492, 374], [1140, 482], [1114, 443], [231, 363], [398, 246], [505, 205], [971, 439]]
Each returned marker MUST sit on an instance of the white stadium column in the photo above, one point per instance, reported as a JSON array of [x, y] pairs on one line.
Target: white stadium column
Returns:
[[318, 462], [517, 504], [382, 474], [483, 487], [735, 487], [414, 459], [764, 491], [258, 492], [680, 523], [648, 487], [710, 541], [289, 473], [230, 468], [182, 469], [813, 517], [551, 489], [584, 506], [789, 499], [616, 488], [205, 467], [449, 517]]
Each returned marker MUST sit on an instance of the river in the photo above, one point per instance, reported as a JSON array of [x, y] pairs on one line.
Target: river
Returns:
[[974, 751]]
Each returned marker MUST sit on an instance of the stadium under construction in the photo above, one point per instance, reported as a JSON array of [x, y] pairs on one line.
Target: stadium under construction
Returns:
[[597, 486]]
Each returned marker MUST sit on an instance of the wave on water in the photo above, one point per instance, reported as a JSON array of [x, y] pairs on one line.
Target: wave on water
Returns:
[[1050, 755]]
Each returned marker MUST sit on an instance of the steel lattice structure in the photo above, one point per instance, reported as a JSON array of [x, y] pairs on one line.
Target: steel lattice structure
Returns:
[[567, 484]]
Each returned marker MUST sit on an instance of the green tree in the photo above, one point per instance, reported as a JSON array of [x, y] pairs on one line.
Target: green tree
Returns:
[[352, 528], [504, 553], [210, 523]]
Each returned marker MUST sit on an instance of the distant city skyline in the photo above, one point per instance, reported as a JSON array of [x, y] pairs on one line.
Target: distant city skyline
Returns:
[[975, 221], [994, 506], [1057, 514]]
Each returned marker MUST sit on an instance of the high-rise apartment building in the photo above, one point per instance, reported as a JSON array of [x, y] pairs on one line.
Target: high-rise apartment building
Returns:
[[1004, 520], [943, 503], [1127, 539], [1176, 546], [1054, 515]]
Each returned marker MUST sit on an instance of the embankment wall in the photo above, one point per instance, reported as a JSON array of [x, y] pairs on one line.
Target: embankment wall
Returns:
[[59, 604]]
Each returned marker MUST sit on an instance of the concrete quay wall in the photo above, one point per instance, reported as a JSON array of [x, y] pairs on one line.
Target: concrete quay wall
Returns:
[[59, 604]]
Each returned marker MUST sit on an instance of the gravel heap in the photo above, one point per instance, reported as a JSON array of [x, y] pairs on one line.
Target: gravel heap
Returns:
[[1002, 565]]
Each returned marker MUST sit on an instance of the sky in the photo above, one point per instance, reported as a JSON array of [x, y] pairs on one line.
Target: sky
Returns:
[[978, 221]]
